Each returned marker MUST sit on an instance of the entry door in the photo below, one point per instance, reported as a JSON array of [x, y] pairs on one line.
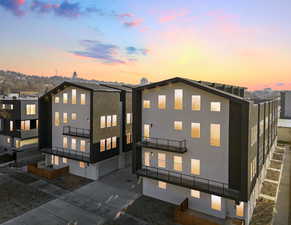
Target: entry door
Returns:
[[146, 131]]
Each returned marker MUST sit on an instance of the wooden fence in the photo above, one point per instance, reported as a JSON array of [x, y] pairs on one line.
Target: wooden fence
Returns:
[[47, 173]]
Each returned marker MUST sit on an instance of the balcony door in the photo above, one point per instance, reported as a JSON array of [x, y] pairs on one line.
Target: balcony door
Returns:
[[146, 131]]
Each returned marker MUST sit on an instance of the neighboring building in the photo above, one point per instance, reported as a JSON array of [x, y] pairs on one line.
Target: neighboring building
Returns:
[[285, 105], [284, 130], [205, 142], [87, 127]]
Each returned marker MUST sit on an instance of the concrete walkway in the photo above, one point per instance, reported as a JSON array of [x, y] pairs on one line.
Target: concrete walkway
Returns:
[[92, 204], [282, 216]]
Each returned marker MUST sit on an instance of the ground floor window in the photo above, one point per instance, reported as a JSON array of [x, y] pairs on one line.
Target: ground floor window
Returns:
[[82, 165], [65, 160], [55, 160], [162, 185], [195, 193], [216, 202], [240, 209]]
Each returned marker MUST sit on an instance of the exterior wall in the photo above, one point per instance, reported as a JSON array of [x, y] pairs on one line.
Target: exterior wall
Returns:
[[286, 104], [284, 134], [3, 142]]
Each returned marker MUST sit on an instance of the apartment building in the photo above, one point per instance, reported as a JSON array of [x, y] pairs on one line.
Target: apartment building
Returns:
[[18, 124], [203, 142], [87, 127]]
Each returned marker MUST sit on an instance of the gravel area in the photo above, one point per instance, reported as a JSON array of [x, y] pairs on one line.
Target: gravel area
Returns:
[[277, 156], [273, 175], [263, 212], [269, 188], [275, 165]]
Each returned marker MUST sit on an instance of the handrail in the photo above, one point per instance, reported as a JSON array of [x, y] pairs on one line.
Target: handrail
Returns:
[[74, 131]]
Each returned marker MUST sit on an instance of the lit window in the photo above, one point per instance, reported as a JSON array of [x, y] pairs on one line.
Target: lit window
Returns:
[[82, 145], [108, 143], [65, 142], [36, 124], [196, 102], [162, 160], [11, 125], [215, 135], [178, 163], [8, 140], [195, 166], [57, 99], [147, 159], [146, 104], [73, 144], [178, 125], [3, 106], [65, 98], [55, 160], [114, 120], [65, 117], [82, 165], [74, 116], [178, 99], [83, 99], [195, 193], [17, 143], [162, 185], [102, 121], [162, 101], [240, 209], [108, 121], [74, 96], [195, 130], [25, 125], [114, 142], [128, 138], [102, 145], [65, 160], [215, 106], [216, 202], [128, 118], [11, 106], [57, 119], [146, 131], [30, 109]]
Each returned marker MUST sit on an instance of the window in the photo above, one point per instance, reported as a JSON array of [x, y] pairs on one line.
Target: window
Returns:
[[82, 165], [36, 124], [240, 209], [195, 166], [17, 143], [65, 160], [55, 160], [65, 117], [30, 109], [8, 140], [25, 125], [195, 130], [216, 202], [128, 138], [73, 144], [108, 143], [114, 120], [146, 131], [114, 142], [57, 119], [11, 107], [65, 142], [128, 118], [3, 106], [147, 159], [178, 99], [215, 106], [178, 125], [162, 101], [146, 104], [102, 121], [162, 185], [65, 98], [196, 102], [82, 145], [178, 163], [108, 121], [195, 194], [162, 160], [215, 134], [74, 96], [57, 99], [83, 99], [102, 145], [11, 125], [74, 116]]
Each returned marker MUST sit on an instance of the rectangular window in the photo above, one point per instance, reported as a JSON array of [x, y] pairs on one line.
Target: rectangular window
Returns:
[[73, 144], [147, 159], [55, 160], [178, 125], [11, 107], [240, 209], [114, 120], [215, 134], [65, 117], [30, 109], [146, 104], [162, 160], [17, 143], [196, 102], [36, 124], [108, 143], [65, 160], [215, 106], [102, 122], [82, 145], [57, 99], [57, 119], [11, 125], [146, 131], [178, 163], [102, 145], [65, 98], [216, 202], [162, 185], [65, 142], [128, 118], [195, 166], [162, 101], [178, 104], [82, 165], [195, 130], [3, 106], [8, 140], [74, 116], [25, 125], [74, 96], [108, 121], [83, 99], [195, 193], [114, 142], [128, 138]]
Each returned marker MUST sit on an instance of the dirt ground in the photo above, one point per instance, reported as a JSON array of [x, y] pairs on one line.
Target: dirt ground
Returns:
[[275, 165], [273, 175], [263, 212], [269, 188]]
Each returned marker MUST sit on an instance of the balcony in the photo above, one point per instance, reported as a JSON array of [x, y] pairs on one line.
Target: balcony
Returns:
[[178, 146], [76, 132], [68, 153], [189, 181]]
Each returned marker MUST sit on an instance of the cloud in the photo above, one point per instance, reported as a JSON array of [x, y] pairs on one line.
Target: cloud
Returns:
[[172, 15], [133, 23], [13, 6], [280, 84], [136, 51]]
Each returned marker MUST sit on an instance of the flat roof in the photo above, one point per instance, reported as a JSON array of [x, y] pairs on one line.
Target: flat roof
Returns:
[[284, 123]]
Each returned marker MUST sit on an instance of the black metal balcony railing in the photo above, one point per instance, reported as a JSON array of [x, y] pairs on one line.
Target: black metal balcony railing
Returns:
[[68, 153], [189, 181], [171, 145], [77, 132]]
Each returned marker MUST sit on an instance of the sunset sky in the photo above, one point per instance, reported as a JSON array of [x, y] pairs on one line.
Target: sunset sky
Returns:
[[241, 42]]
